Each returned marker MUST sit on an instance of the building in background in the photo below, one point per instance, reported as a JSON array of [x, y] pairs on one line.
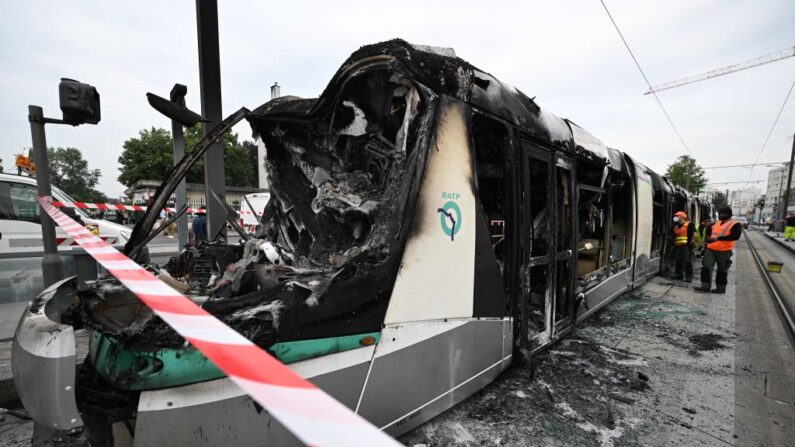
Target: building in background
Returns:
[[743, 200], [776, 179], [142, 191], [708, 193]]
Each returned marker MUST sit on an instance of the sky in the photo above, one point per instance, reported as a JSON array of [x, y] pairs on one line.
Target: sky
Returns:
[[564, 53]]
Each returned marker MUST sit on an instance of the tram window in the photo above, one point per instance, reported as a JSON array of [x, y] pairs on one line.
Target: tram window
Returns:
[[621, 229], [657, 236], [491, 140], [593, 213], [374, 121]]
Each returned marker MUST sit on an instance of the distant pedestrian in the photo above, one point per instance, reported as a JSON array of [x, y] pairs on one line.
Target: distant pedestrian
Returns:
[[171, 229], [721, 238], [161, 219], [789, 230], [199, 227], [683, 242]]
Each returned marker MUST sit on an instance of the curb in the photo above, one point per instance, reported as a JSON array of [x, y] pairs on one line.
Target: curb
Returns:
[[781, 243]]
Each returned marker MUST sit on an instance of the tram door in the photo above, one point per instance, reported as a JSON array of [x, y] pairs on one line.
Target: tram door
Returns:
[[565, 242], [548, 239]]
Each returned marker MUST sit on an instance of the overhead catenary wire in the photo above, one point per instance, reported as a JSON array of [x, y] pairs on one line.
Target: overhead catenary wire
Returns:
[[773, 127], [731, 183], [748, 165], [645, 78]]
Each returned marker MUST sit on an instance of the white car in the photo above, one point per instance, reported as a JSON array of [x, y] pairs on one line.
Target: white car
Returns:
[[21, 244], [250, 219]]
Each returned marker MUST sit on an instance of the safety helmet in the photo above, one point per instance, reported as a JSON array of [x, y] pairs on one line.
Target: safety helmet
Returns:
[[681, 214]]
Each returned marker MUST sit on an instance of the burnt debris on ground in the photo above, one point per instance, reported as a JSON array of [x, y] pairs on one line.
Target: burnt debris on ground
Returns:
[[589, 390]]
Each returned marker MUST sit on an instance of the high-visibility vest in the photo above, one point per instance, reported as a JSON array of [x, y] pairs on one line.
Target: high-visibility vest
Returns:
[[680, 235], [720, 229]]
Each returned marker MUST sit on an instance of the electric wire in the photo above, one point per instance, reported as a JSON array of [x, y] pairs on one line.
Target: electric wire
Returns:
[[773, 127], [731, 183], [654, 93], [769, 163]]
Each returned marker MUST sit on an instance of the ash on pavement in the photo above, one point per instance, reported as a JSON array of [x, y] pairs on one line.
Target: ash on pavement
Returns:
[[655, 367]]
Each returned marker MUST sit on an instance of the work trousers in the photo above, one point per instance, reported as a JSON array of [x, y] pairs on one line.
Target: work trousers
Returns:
[[723, 259], [682, 261], [789, 233]]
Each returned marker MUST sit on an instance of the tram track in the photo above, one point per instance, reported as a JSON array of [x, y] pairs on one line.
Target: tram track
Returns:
[[774, 290]]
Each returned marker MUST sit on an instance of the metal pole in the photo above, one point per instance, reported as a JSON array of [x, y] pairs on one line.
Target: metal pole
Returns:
[[789, 182], [210, 83], [51, 263], [178, 96]]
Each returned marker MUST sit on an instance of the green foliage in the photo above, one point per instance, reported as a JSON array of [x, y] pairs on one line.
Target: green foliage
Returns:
[[238, 170], [150, 157], [678, 171], [69, 171]]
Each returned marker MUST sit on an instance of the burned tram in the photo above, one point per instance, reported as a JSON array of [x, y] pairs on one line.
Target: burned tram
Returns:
[[427, 223]]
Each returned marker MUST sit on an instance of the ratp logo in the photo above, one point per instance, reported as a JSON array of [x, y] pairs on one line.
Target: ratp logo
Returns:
[[450, 215]]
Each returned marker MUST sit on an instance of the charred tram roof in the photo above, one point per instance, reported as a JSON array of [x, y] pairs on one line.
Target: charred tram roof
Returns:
[[446, 74]]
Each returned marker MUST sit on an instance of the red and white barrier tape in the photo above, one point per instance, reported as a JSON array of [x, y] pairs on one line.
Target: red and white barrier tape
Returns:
[[112, 206], [313, 416], [67, 241], [121, 207]]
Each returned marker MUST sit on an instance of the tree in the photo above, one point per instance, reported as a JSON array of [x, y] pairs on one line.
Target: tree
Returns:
[[238, 170], [150, 157], [147, 157], [251, 147], [69, 171], [1, 165], [679, 170], [719, 199]]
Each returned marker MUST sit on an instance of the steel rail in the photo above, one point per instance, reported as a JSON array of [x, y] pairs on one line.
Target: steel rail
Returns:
[[771, 286]]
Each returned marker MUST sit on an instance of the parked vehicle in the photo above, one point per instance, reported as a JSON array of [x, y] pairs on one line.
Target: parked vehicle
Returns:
[[20, 236], [742, 220], [20, 215], [250, 218]]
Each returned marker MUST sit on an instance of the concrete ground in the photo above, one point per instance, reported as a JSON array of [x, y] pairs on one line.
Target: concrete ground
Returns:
[[662, 365], [765, 361]]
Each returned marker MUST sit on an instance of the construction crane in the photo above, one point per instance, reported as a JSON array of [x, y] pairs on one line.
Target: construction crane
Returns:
[[755, 62]]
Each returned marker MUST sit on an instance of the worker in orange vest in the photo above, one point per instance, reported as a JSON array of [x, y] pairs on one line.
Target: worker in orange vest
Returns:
[[721, 237], [683, 242]]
